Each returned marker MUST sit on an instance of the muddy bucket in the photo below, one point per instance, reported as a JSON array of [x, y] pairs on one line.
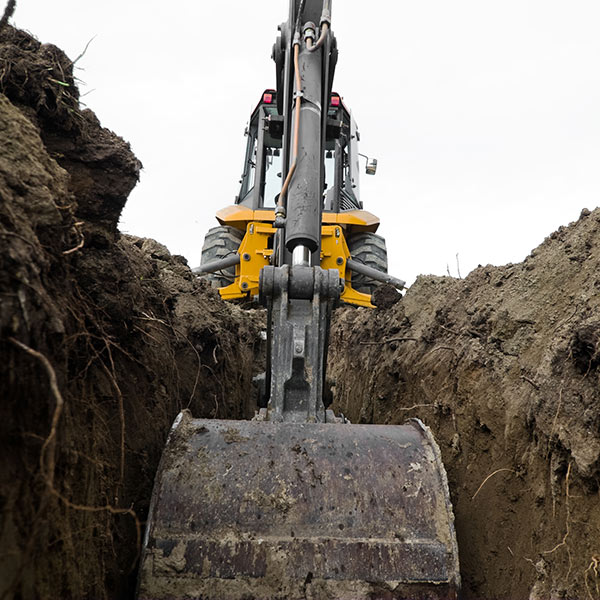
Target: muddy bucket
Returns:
[[245, 509]]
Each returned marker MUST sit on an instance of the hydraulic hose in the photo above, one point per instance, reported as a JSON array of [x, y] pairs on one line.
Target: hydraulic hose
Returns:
[[322, 38], [299, 17], [325, 21], [325, 18]]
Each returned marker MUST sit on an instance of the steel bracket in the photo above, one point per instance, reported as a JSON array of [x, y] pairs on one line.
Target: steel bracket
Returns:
[[300, 300]]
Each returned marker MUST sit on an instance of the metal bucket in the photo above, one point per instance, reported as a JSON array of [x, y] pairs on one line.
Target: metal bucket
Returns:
[[245, 509]]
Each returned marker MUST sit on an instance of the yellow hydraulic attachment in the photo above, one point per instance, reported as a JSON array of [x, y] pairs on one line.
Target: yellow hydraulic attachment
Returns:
[[256, 248]]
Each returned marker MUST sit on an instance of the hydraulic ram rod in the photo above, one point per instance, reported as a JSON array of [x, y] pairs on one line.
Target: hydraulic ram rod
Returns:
[[218, 265], [372, 273]]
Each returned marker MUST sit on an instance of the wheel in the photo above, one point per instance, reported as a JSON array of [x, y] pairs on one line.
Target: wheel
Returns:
[[220, 242], [369, 249]]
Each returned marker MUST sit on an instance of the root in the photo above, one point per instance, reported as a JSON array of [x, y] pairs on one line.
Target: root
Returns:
[[457, 333], [76, 226], [74, 62], [488, 478], [48, 452], [553, 430], [147, 317], [530, 381], [390, 340], [20, 237], [567, 524], [111, 375], [406, 409], [593, 571], [106, 508]]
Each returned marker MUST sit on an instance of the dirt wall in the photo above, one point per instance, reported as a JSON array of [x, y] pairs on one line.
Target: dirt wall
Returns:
[[504, 366], [103, 339]]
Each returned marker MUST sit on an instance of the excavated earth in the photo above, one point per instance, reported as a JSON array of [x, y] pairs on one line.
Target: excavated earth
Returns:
[[504, 366], [104, 338]]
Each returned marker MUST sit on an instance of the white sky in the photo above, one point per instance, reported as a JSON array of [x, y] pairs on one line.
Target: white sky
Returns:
[[484, 115]]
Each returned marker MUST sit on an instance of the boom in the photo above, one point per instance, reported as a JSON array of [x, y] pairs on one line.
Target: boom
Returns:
[[297, 503], [298, 295]]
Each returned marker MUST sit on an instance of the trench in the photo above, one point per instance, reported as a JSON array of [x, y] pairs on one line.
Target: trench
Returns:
[[106, 337]]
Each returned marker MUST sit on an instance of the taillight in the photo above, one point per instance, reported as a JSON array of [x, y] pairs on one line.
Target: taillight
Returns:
[[268, 98], [335, 100]]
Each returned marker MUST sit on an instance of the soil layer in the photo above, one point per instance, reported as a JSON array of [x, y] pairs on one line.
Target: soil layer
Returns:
[[504, 367], [104, 338]]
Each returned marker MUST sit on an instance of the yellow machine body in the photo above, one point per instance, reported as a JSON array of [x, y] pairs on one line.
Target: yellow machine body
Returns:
[[256, 248]]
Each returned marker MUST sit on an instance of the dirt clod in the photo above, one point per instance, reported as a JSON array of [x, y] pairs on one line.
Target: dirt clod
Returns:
[[385, 296]]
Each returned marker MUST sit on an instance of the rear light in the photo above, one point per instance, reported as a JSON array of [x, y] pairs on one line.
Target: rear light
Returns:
[[268, 98], [335, 100]]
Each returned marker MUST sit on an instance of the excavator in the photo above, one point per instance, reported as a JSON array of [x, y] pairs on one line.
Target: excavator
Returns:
[[299, 503]]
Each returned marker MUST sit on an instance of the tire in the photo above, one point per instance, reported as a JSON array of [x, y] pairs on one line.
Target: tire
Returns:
[[369, 249], [220, 242]]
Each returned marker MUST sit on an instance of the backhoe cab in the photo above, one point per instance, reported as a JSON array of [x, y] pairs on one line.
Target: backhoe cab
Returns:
[[261, 180], [247, 232]]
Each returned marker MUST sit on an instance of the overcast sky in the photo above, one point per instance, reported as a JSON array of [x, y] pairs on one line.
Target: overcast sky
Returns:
[[484, 115]]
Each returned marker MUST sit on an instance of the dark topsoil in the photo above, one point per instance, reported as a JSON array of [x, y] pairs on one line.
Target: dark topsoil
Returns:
[[105, 337], [504, 367]]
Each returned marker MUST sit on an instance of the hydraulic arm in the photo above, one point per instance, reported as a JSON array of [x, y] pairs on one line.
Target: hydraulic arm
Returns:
[[297, 503], [299, 296]]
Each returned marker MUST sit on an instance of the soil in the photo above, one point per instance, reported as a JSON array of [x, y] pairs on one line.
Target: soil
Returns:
[[504, 367], [104, 338]]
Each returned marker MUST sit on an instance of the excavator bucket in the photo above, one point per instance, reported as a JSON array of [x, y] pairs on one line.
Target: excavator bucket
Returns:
[[260, 510]]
